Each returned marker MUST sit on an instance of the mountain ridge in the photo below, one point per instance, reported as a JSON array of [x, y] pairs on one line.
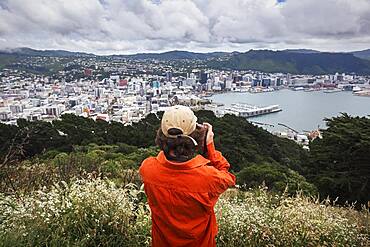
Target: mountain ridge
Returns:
[[179, 54], [364, 54], [295, 61], [47, 53]]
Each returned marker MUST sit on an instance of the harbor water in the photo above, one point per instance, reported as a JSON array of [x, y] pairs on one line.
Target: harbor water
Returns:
[[302, 111]]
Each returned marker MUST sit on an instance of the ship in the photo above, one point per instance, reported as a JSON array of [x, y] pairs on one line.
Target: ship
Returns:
[[334, 90], [356, 89], [362, 93], [246, 110]]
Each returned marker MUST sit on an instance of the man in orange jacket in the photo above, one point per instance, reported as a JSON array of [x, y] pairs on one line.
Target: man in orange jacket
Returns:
[[182, 190]]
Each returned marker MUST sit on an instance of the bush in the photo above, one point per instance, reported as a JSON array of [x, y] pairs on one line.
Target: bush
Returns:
[[53, 167], [276, 177], [85, 213], [125, 148], [258, 218], [95, 212]]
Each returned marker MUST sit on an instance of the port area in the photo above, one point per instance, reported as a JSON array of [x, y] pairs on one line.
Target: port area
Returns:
[[242, 109], [249, 111], [301, 138]]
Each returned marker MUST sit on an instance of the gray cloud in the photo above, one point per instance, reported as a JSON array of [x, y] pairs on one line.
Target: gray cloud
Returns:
[[125, 26]]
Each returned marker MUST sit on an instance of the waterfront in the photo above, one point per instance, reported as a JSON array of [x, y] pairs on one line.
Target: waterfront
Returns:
[[301, 110]]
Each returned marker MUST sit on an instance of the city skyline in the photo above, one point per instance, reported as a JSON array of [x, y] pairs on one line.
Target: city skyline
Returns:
[[126, 27]]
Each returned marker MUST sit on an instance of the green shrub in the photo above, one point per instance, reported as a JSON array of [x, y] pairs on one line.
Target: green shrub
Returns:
[[85, 213], [125, 148], [258, 218], [276, 177], [50, 154]]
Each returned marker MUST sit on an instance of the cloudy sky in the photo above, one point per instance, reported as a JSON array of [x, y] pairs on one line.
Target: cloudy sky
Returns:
[[130, 26]]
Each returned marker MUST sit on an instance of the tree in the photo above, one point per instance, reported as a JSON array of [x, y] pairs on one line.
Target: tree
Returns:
[[276, 177], [7, 133], [41, 136], [340, 161]]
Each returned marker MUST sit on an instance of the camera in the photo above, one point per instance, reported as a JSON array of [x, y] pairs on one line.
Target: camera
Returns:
[[201, 138]]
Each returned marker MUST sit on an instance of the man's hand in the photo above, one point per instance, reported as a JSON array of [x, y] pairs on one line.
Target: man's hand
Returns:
[[210, 134]]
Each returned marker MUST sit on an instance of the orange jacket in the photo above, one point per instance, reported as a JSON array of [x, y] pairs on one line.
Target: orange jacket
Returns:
[[182, 196]]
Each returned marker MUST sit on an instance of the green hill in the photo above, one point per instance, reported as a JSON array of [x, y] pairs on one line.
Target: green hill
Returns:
[[295, 62], [365, 54], [25, 51], [176, 55], [6, 59], [255, 155], [251, 151], [74, 182]]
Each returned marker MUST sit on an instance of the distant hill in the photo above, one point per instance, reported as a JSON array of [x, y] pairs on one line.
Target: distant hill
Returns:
[[170, 55], [6, 59], [295, 62], [176, 55], [365, 54], [305, 51], [44, 53]]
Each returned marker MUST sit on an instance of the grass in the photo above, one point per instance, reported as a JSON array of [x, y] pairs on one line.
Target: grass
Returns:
[[95, 212]]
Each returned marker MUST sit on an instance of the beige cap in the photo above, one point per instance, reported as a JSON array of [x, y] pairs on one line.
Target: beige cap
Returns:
[[179, 117]]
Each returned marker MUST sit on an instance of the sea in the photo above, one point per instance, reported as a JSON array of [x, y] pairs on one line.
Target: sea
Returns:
[[301, 111]]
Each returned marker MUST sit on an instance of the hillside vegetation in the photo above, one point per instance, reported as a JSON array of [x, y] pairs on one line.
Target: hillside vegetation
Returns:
[[6, 59], [251, 151], [295, 62], [336, 166], [74, 182]]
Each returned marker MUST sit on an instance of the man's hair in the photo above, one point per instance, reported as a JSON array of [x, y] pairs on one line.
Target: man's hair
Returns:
[[182, 147]]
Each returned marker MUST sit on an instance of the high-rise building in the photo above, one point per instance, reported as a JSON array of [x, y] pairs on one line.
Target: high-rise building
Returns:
[[203, 77], [266, 82], [168, 76], [288, 79], [156, 84], [228, 84], [87, 72], [122, 82], [99, 92]]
